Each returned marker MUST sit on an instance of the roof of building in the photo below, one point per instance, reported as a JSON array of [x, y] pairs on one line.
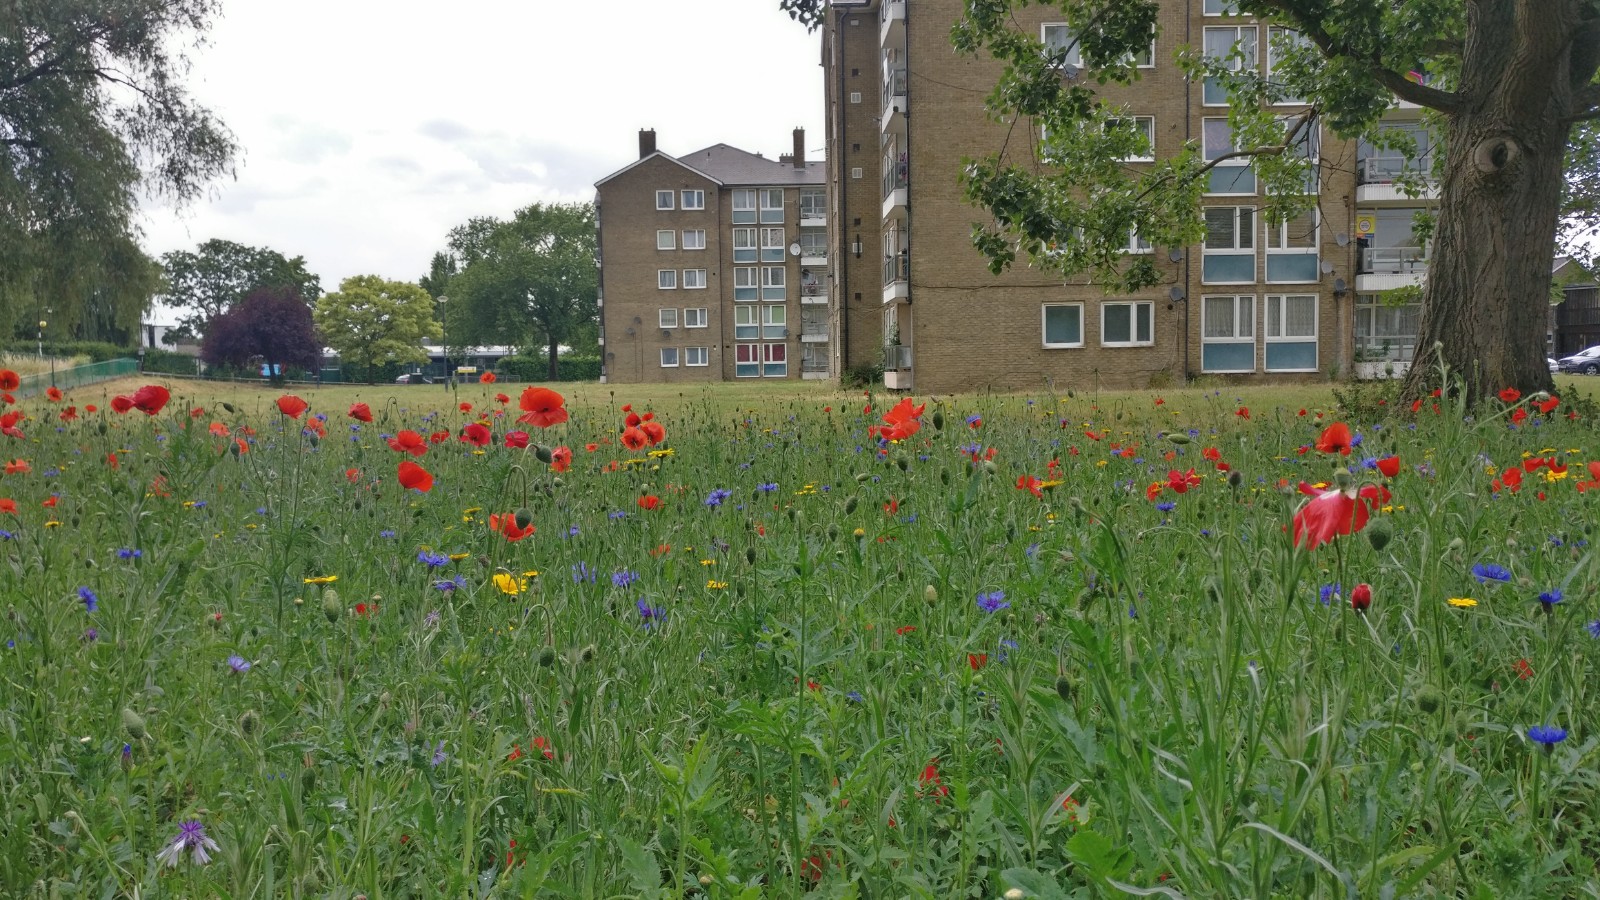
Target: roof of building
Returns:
[[730, 165], [629, 167]]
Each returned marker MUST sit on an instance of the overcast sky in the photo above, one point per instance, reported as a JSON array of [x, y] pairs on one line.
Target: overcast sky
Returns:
[[370, 129]]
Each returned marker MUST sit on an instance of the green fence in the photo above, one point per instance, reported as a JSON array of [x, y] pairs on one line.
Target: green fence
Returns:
[[78, 376]]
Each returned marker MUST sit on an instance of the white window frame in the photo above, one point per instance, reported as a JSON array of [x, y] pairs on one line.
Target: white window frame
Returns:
[[667, 279], [768, 351], [774, 322], [754, 351], [774, 283], [810, 210], [694, 239], [1219, 8], [696, 317], [667, 316], [1149, 123], [1044, 326], [1073, 46], [745, 278], [744, 244], [1297, 37], [771, 214], [744, 206], [1252, 56], [1280, 234], [740, 315], [1137, 245], [1133, 323], [1280, 301], [666, 239], [669, 357], [690, 354], [774, 243], [1238, 336], [1209, 152], [1243, 243], [694, 279], [664, 199], [693, 199]]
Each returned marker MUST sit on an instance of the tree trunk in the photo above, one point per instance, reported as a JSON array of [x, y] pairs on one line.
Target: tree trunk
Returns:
[[1486, 305], [554, 346]]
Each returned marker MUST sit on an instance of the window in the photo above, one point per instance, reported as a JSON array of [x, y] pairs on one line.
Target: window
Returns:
[[855, 97], [1229, 176], [1292, 250], [667, 279], [744, 207], [855, 172], [747, 360], [744, 245], [1063, 325], [746, 323], [669, 318], [695, 317], [1126, 324], [694, 279], [1227, 334], [772, 283], [1290, 341], [1220, 8], [745, 286], [669, 357], [813, 242], [694, 199], [694, 239], [1283, 43], [771, 205], [1145, 129], [813, 203], [696, 356], [774, 360], [772, 245], [1137, 244], [663, 199], [1385, 331], [666, 240], [1229, 254], [1061, 45], [773, 320], [1235, 46]]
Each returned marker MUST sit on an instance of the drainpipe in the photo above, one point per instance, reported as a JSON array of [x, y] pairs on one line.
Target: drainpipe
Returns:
[[838, 164], [1188, 134]]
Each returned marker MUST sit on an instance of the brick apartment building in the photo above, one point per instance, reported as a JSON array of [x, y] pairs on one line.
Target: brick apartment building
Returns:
[[714, 266], [1298, 300]]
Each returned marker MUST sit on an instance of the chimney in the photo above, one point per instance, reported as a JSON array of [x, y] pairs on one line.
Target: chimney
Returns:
[[647, 142], [799, 148]]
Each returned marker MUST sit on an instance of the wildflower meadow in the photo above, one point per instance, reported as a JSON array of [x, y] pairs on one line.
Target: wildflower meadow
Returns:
[[1053, 645]]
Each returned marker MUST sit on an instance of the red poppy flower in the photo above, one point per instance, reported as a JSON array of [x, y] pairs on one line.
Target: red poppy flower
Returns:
[[502, 399], [315, 426], [51, 501], [292, 406], [363, 609], [977, 661], [68, 414], [414, 477], [1518, 416], [113, 462], [1510, 395], [892, 507], [634, 439], [486, 378], [18, 467], [466, 407], [1180, 482], [517, 440], [218, 429], [477, 434], [905, 630], [1030, 484], [560, 459], [1243, 413], [1510, 479], [1091, 435], [1546, 407], [1524, 670], [631, 420], [352, 475], [408, 442], [8, 506], [542, 407], [439, 437], [930, 781], [1334, 512], [1361, 597], [1335, 439], [540, 743], [506, 524], [649, 501], [91, 408], [9, 380], [1389, 466], [150, 399], [655, 432], [54, 394], [121, 404], [361, 412]]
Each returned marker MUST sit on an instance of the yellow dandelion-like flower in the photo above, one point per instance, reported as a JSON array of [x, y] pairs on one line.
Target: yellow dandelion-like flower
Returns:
[[472, 510], [1550, 476], [458, 557], [531, 573], [708, 562], [716, 585], [1100, 463], [1490, 470], [52, 524], [1462, 602], [860, 532], [320, 579], [509, 584], [657, 454]]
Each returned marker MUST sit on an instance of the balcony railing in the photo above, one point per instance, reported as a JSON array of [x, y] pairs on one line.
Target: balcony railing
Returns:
[[813, 289], [896, 358], [814, 329], [818, 210], [1394, 261], [894, 85], [896, 269], [814, 252], [1389, 169], [895, 177]]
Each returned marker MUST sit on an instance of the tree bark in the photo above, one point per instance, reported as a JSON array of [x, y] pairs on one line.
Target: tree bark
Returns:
[[1486, 304], [554, 346]]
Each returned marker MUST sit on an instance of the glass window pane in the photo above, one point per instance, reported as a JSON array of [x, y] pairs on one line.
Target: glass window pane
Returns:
[[1063, 324], [1218, 317], [1228, 357], [1230, 269], [1118, 320]]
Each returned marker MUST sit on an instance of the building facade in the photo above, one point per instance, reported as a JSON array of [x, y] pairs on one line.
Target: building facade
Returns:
[[1298, 300], [714, 266]]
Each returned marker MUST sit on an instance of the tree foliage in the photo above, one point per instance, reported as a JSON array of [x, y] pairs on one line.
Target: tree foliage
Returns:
[[529, 281], [93, 113], [270, 325], [205, 283], [377, 321]]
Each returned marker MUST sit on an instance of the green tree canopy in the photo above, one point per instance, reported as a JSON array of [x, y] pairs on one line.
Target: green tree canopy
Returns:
[[93, 113], [376, 321], [207, 282], [529, 281]]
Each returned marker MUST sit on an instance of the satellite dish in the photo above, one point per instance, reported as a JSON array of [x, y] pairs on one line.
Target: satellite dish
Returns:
[[794, 249], [1342, 239], [1176, 293], [1340, 286], [1327, 267], [1175, 254]]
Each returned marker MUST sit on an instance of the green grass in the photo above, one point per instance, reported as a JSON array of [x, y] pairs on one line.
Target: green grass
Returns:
[[816, 702]]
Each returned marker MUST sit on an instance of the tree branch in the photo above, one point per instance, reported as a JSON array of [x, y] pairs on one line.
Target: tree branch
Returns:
[[49, 66]]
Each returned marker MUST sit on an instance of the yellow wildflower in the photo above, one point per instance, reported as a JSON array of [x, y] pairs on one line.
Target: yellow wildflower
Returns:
[[320, 579], [509, 584], [716, 585], [1462, 602]]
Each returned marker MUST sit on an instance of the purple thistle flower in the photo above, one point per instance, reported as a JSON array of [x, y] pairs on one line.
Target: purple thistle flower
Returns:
[[191, 837]]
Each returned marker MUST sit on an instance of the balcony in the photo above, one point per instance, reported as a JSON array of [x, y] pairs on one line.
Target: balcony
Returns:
[[814, 291], [1378, 177], [813, 215], [896, 190], [896, 278], [814, 332], [892, 24], [814, 257], [1387, 268], [894, 102], [897, 367]]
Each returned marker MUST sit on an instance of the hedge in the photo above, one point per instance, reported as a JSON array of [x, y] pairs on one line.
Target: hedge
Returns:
[[534, 369], [166, 362], [97, 351]]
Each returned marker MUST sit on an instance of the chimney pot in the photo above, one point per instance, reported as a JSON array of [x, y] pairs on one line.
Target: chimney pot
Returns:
[[647, 142], [799, 148]]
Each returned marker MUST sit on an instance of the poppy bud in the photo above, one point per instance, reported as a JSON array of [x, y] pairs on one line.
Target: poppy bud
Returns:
[[524, 518], [1235, 478], [588, 653], [1071, 394], [902, 463], [1178, 437], [1063, 688], [1379, 534], [833, 531], [930, 594], [249, 722], [547, 657], [1361, 597], [990, 467], [229, 407], [233, 449], [134, 724], [542, 452], [308, 779], [944, 476], [102, 428], [331, 607], [938, 419], [850, 505], [750, 555], [861, 477], [705, 880], [1343, 478], [310, 437], [1428, 699]]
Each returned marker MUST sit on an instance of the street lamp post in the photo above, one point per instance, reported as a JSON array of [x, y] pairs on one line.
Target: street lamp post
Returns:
[[42, 324]]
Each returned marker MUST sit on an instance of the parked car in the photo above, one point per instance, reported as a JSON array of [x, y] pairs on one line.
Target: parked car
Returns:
[[1554, 365], [413, 378], [1586, 362]]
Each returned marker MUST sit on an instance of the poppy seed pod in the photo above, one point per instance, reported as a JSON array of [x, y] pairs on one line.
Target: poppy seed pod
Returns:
[[1379, 534], [524, 518], [1235, 478], [134, 724], [331, 606], [249, 722], [861, 477], [1063, 688], [750, 555], [542, 452], [902, 463], [850, 505], [547, 657], [938, 419]]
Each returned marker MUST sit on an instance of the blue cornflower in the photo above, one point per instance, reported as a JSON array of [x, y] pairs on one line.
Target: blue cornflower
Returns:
[[1548, 735], [439, 755], [649, 614], [767, 488], [624, 578], [199, 504], [90, 635], [1168, 506], [1490, 572], [616, 514], [1032, 551], [854, 696], [974, 420], [993, 602], [454, 584], [387, 533], [129, 553], [432, 560], [1329, 593], [1355, 439], [90, 601], [581, 573], [238, 664], [718, 495], [1550, 598], [6, 535], [573, 531], [1594, 628], [191, 837]]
